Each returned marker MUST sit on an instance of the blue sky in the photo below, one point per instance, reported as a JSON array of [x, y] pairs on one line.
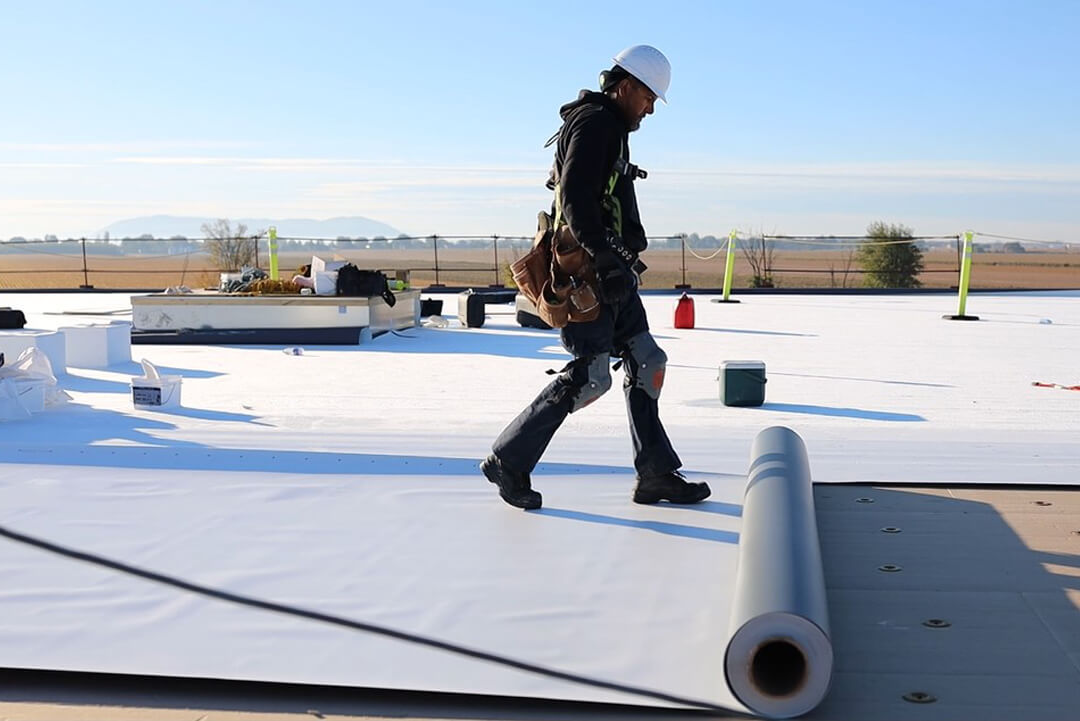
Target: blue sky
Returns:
[[786, 117]]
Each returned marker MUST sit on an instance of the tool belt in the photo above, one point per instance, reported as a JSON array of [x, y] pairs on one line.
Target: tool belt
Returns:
[[557, 276]]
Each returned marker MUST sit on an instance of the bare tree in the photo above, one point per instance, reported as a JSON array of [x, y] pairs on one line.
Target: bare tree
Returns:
[[850, 256], [759, 254], [847, 260], [230, 248]]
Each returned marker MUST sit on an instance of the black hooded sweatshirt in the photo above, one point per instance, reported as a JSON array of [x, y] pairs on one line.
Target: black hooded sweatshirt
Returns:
[[593, 132]]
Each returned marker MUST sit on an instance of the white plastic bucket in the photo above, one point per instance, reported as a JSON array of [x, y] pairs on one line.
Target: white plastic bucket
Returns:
[[152, 390]]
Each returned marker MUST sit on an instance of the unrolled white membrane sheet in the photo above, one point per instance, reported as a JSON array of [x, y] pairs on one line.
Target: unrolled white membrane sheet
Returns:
[[592, 584]]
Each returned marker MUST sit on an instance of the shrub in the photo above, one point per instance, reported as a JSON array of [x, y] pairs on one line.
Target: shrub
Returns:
[[889, 257]]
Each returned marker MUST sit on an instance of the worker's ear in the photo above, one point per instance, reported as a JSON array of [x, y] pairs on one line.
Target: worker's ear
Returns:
[[610, 78], [622, 89]]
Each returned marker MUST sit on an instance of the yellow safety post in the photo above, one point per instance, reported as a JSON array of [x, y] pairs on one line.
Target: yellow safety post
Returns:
[[729, 270], [273, 253], [965, 279]]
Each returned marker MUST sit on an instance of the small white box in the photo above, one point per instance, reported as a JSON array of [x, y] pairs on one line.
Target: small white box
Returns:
[[324, 275], [86, 346], [118, 340], [51, 343], [97, 345]]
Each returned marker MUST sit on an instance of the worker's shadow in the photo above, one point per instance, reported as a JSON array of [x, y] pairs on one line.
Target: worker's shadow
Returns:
[[86, 426], [506, 342], [671, 529], [834, 411]]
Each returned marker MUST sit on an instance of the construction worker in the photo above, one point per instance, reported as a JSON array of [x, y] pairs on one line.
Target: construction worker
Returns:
[[593, 182]]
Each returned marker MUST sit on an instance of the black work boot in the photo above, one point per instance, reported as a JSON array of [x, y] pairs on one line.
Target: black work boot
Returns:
[[670, 487], [515, 488]]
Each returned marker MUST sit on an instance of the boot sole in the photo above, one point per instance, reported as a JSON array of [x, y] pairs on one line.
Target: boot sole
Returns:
[[648, 499], [523, 505]]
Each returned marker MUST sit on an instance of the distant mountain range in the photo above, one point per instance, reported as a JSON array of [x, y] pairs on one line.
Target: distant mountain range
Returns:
[[168, 226]]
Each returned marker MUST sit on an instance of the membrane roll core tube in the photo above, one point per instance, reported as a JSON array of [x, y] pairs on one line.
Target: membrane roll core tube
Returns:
[[779, 659]]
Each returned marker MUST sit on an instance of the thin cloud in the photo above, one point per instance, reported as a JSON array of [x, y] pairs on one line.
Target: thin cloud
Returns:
[[839, 175], [128, 146], [431, 183], [87, 207], [310, 164], [43, 165], [879, 178], [891, 172], [237, 162]]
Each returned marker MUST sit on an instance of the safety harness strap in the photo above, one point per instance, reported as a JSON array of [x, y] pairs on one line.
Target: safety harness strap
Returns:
[[610, 202]]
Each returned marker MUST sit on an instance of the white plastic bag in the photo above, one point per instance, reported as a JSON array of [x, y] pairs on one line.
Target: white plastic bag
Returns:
[[31, 372], [11, 409]]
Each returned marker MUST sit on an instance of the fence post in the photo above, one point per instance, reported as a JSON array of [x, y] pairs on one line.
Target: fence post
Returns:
[[273, 253], [684, 284], [435, 246], [729, 270], [86, 278], [495, 245], [965, 279]]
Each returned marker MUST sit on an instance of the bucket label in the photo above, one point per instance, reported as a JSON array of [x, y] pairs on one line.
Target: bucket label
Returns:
[[146, 395]]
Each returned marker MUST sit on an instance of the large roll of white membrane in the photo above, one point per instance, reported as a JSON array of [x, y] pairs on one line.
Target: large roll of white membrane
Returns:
[[779, 659]]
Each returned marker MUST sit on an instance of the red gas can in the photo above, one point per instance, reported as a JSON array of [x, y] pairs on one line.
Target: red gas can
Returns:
[[684, 312]]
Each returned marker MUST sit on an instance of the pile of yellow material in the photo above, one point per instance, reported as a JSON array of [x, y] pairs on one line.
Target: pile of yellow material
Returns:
[[268, 286]]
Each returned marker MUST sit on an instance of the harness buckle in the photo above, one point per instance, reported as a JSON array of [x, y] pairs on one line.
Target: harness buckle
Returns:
[[629, 170]]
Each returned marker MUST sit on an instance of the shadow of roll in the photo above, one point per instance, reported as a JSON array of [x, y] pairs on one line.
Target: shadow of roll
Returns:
[[779, 659]]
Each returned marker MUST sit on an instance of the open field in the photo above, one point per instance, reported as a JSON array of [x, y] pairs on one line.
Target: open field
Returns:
[[792, 269]]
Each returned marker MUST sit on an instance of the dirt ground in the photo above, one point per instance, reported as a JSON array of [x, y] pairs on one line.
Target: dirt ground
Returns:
[[791, 269]]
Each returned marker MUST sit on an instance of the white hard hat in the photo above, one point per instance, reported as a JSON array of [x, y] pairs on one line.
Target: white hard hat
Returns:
[[648, 65]]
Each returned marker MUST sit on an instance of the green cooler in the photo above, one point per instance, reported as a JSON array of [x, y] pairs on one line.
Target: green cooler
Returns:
[[742, 383]]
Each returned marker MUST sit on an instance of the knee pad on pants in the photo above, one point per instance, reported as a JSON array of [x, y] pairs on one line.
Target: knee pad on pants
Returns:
[[591, 377], [646, 364]]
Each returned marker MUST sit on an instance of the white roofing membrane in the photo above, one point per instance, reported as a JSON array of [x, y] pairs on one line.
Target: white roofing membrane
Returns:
[[344, 481]]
